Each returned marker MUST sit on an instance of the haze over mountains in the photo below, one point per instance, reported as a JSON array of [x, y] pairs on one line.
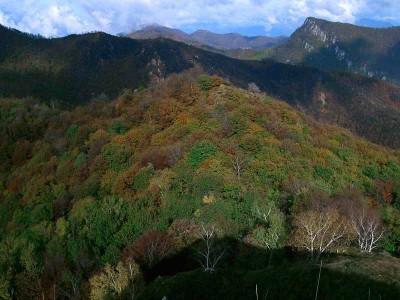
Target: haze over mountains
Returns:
[[228, 41]]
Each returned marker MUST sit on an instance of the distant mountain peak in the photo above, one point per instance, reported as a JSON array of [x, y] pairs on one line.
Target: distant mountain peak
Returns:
[[327, 45], [207, 39], [202, 31], [311, 19], [152, 26], [314, 20]]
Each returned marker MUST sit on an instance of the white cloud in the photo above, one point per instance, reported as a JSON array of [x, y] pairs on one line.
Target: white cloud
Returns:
[[60, 17]]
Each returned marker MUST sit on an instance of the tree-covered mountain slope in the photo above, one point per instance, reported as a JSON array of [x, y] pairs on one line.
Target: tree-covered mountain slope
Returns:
[[327, 45], [122, 191], [78, 68]]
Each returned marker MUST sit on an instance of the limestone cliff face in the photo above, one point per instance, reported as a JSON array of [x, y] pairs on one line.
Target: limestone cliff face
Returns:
[[332, 43], [336, 46]]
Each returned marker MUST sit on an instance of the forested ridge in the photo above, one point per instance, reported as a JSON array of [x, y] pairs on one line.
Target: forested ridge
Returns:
[[328, 45], [77, 68], [194, 180]]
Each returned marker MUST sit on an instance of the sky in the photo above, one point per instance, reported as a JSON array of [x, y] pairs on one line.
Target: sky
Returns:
[[54, 18]]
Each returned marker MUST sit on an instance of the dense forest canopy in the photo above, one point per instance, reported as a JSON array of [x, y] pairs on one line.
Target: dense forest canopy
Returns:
[[95, 199]]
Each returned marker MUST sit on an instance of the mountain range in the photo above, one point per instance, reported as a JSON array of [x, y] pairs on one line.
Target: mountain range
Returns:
[[369, 48], [372, 52], [205, 38], [77, 68]]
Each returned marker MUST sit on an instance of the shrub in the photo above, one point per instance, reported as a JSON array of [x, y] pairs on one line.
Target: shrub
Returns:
[[370, 171], [157, 157], [142, 178], [149, 248], [72, 131], [118, 127], [208, 82], [80, 160], [390, 171], [323, 173], [117, 156], [201, 151]]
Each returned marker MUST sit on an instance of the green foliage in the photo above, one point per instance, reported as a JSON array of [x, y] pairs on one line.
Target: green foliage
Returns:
[[90, 187], [391, 216], [142, 178], [41, 212], [117, 156], [80, 160], [207, 183], [323, 173], [205, 82], [226, 157], [239, 123], [209, 82], [390, 171], [118, 127], [72, 131], [106, 221], [201, 151], [370, 171], [141, 88], [271, 230]]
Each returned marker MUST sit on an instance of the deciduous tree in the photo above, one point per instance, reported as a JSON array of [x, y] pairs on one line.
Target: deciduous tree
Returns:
[[270, 228], [318, 232], [209, 254], [149, 248], [114, 281]]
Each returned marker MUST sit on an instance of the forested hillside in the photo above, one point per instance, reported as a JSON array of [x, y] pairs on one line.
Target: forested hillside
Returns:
[[328, 45], [190, 176], [77, 68]]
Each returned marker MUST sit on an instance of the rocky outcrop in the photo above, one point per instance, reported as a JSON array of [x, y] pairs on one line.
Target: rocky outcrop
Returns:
[[371, 52]]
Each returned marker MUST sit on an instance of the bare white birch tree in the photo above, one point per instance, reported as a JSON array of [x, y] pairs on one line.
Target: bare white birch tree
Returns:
[[365, 220], [318, 232], [238, 164], [368, 228], [208, 254]]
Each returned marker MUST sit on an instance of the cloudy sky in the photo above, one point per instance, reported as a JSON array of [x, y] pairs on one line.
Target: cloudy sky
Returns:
[[251, 17]]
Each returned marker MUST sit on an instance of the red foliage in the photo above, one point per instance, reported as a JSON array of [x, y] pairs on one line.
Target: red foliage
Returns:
[[15, 185], [385, 190], [60, 207], [22, 152], [205, 165], [157, 157], [149, 248]]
